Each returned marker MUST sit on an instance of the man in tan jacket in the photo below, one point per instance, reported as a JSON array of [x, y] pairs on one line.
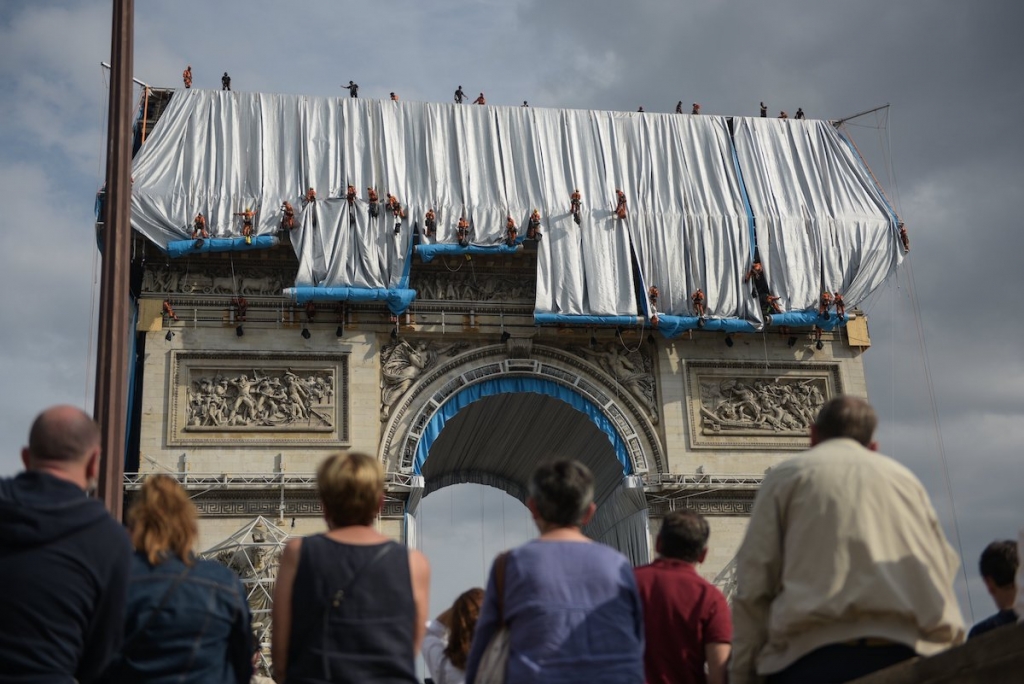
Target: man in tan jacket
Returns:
[[844, 569]]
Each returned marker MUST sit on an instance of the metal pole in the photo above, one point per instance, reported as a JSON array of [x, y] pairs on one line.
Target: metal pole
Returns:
[[144, 85], [839, 122], [111, 405]]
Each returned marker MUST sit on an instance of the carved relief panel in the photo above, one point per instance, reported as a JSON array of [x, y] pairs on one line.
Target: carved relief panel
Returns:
[[739, 405], [260, 399]]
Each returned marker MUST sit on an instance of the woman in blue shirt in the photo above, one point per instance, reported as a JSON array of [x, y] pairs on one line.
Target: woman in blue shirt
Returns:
[[571, 605]]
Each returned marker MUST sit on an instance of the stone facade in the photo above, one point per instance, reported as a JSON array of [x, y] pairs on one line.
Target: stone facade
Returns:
[[243, 407]]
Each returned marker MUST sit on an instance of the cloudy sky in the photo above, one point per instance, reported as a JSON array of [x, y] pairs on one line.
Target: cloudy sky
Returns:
[[950, 69]]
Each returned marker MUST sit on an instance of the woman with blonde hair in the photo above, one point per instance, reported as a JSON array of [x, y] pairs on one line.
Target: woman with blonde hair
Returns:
[[446, 644], [350, 605], [186, 620]]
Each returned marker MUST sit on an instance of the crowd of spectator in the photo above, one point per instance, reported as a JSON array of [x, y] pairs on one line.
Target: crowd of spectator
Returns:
[[844, 570]]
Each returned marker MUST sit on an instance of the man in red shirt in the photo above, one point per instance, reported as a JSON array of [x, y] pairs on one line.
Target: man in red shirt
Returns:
[[686, 618]]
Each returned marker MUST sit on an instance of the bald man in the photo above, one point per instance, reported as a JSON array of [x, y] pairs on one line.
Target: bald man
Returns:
[[64, 561]]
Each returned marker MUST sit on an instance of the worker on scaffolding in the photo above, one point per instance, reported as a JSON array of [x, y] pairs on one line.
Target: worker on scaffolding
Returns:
[[697, 298], [430, 223], [511, 232], [462, 232], [396, 210], [480, 100], [652, 296], [350, 198], [459, 95], [840, 304], [576, 200], [199, 227], [186, 76], [696, 109], [247, 221], [353, 89], [168, 310], [533, 227], [799, 112], [309, 197], [373, 202], [679, 107], [764, 110], [225, 82], [288, 220], [824, 304], [241, 306], [620, 204]]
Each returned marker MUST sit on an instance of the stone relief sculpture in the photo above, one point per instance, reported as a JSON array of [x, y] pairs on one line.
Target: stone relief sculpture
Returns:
[[630, 369], [181, 281], [401, 364], [466, 287], [274, 399], [779, 405]]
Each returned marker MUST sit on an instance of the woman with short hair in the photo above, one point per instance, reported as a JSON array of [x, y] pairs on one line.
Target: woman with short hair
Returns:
[[571, 605], [350, 605], [186, 619]]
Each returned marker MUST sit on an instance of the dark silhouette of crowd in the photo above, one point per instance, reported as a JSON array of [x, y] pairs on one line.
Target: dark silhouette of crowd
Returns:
[[844, 570]]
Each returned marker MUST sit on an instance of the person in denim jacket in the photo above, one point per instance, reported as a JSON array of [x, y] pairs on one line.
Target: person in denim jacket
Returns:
[[187, 620]]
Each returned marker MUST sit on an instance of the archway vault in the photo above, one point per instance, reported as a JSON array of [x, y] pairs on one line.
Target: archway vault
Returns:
[[413, 422], [489, 415]]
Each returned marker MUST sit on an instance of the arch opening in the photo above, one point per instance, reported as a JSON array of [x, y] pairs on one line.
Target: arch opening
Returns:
[[497, 434]]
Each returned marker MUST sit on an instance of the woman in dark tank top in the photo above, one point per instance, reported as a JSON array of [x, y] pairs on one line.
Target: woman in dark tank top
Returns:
[[349, 605]]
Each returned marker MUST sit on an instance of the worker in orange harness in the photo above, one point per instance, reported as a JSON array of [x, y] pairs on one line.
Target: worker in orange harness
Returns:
[[288, 220], [698, 303], [840, 305], [186, 76], [783, 115], [394, 98], [652, 296], [577, 200], [430, 223], [350, 196], [904, 237], [373, 202], [620, 204], [824, 304], [696, 109], [199, 226], [169, 311], [480, 100], [511, 232], [247, 216], [756, 272], [773, 303], [396, 210], [533, 227], [309, 197], [241, 307], [462, 232]]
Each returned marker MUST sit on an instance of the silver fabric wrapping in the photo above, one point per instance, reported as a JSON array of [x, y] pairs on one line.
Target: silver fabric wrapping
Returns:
[[821, 222]]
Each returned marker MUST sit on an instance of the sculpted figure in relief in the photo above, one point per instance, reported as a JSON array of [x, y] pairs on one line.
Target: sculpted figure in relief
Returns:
[[779, 405], [280, 399], [632, 370], [401, 364]]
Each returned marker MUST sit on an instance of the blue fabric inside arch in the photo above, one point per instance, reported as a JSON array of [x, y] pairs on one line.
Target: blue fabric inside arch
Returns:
[[489, 388]]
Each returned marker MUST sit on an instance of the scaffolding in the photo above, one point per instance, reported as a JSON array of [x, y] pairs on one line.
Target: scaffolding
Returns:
[[254, 554]]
